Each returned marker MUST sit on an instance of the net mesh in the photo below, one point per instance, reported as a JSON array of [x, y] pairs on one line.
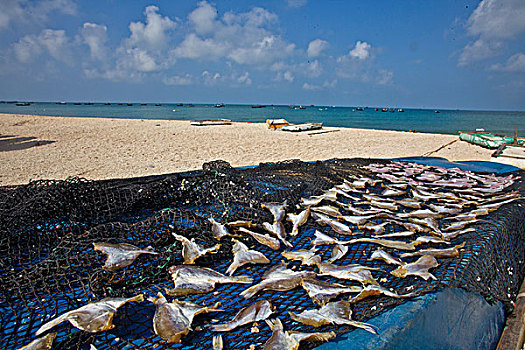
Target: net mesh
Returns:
[[48, 265]]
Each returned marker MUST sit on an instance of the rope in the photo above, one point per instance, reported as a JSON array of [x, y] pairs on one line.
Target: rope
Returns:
[[439, 149]]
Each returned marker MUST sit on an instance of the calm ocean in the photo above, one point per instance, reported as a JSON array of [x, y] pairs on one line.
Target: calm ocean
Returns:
[[421, 120]]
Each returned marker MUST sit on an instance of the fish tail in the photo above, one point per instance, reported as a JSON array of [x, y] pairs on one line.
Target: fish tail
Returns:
[[242, 279]]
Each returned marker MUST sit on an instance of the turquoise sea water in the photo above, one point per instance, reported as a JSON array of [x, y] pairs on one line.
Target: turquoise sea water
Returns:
[[421, 120]]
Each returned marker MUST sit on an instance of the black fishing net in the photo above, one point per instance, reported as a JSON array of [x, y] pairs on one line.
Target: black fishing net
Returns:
[[48, 265]]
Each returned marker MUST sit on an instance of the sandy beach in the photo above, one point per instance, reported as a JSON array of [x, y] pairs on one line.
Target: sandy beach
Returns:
[[42, 147]]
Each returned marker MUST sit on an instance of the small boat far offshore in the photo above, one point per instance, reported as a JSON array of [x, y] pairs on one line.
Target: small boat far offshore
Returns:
[[400, 110], [259, 106]]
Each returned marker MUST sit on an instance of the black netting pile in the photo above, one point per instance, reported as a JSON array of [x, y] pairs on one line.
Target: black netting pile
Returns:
[[48, 265]]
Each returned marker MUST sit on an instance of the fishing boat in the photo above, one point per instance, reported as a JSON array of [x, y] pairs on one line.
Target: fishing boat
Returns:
[[487, 139], [259, 106], [359, 109], [219, 105], [209, 122], [510, 154], [302, 127], [400, 110], [276, 123]]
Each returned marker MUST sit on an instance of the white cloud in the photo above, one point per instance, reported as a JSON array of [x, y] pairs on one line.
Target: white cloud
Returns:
[[516, 63], [326, 85], [211, 78], [244, 79], [245, 38], [153, 35], [296, 3], [178, 80], [95, 36], [35, 13], [315, 47], [492, 24], [203, 18], [307, 86], [53, 42], [361, 50], [384, 77]]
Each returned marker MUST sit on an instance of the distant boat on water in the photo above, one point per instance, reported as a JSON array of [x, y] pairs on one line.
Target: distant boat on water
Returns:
[[302, 107], [23, 104], [259, 106], [359, 109], [400, 110], [190, 105], [129, 104], [107, 104], [436, 111], [384, 110], [61, 103], [158, 104], [219, 105]]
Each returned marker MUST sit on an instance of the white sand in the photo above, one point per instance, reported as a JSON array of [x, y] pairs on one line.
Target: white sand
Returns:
[[100, 148]]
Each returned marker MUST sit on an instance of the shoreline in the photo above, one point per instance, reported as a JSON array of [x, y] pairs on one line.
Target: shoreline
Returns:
[[56, 147]]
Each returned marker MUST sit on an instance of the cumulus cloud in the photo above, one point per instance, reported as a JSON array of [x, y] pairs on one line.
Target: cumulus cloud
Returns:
[[361, 50], [36, 13], [315, 47], [245, 38], [95, 36], [152, 35], [515, 64], [52, 42], [492, 24]]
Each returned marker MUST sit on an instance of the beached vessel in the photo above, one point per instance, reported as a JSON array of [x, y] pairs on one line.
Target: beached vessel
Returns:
[[510, 154], [487, 139], [211, 122], [302, 127], [276, 123]]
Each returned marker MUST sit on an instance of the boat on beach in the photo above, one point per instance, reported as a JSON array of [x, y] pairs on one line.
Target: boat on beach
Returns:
[[302, 127], [276, 123], [209, 122], [487, 139], [510, 154]]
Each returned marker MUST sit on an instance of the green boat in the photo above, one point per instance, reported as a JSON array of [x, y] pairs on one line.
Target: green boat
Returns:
[[486, 139]]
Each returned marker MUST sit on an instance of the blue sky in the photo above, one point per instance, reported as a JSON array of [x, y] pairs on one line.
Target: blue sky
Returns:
[[431, 54]]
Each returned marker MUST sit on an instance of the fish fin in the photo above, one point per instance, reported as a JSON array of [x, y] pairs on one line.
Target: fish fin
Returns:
[[54, 322]]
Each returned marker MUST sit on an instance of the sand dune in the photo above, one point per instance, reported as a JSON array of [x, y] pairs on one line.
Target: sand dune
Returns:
[[41, 147]]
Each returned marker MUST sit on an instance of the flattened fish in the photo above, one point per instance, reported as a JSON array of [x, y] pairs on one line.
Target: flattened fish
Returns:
[[334, 224], [189, 279], [173, 320], [240, 223], [322, 239], [385, 243], [278, 278], [458, 225], [422, 213], [390, 192], [267, 240], [307, 257], [258, 311], [242, 256], [321, 292], [338, 312], [373, 289], [353, 272], [418, 268], [429, 222], [120, 255], [298, 220], [43, 343], [358, 211], [93, 317], [378, 229], [284, 340], [429, 239], [191, 251], [437, 253], [380, 254], [327, 210], [357, 219], [218, 230], [453, 234], [277, 209], [338, 252], [396, 234], [277, 229], [410, 203]]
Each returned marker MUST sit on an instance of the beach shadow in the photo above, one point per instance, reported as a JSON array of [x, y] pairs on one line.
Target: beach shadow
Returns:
[[13, 143]]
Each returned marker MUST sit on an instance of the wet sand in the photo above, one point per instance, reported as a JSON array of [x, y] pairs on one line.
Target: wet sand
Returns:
[[41, 147]]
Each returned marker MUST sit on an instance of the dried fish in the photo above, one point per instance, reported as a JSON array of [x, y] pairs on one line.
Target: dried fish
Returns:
[[413, 227], [334, 224], [322, 239], [384, 205], [298, 220], [338, 252], [396, 234], [372, 290], [453, 234], [173, 320], [307, 257], [327, 210], [410, 203], [277, 229], [278, 278], [258, 311], [321, 292], [120, 255], [419, 268], [385, 243], [423, 196], [357, 220], [437, 253], [218, 230], [284, 340], [458, 225], [378, 229], [43, 343], [422, 213], [358, 211], [93, 317], [277, 210], [380, 254], [429, 222], [267, 240], [218, 343], [241, 223], [242, 256], [353, 272], [390, 192], [191, 251], [338, 312], [429, 239], [494, 206], [444, 209], [196, 280], [339, 191]]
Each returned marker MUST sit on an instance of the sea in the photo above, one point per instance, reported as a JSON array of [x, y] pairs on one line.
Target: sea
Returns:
[[407, 119]]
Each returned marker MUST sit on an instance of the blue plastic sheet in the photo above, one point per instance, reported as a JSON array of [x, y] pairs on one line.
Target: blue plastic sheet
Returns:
[[449, 319]]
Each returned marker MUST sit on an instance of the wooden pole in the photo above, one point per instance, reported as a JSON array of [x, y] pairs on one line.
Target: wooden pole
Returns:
[[515, 135]]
